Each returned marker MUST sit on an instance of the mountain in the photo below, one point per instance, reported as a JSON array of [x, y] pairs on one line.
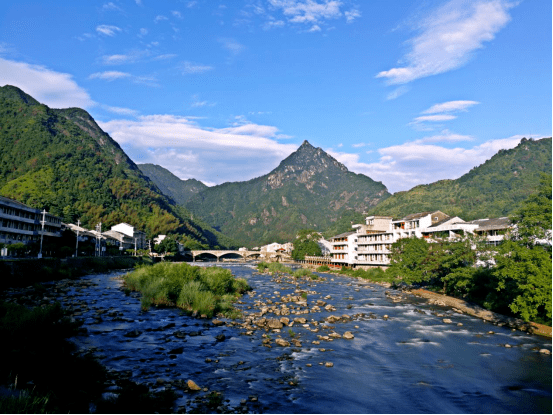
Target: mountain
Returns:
[[61, 160], [178, 190], [309, 189], [493, 189]]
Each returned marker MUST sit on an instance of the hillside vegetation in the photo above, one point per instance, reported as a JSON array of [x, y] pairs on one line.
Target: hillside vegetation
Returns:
[[60, 160], [178, 190], [494, 189], [309, 189]]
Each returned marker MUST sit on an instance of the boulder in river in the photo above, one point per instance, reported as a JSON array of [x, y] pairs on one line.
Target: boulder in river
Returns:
[[192, 385], [282, 342], [348, 335]]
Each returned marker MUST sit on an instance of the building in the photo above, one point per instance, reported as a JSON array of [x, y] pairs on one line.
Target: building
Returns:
[[20, 223], [344, 248], [137, 237], [286, 248], [493, 229]]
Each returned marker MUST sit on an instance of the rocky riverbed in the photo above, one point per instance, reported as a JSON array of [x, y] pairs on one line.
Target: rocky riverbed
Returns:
[[332, 344]]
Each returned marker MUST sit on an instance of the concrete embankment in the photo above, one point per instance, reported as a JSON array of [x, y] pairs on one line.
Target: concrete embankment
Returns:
[[23, 272]]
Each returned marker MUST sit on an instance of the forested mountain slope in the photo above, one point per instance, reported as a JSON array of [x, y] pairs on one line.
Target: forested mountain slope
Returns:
[[494, 189], [60, 160], [309, 189], [178, 190]]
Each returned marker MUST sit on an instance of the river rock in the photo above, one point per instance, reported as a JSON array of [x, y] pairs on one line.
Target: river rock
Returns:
[[282, 342], [217, 322], [284, 320], [447, 321], [329, 364], [300, 320], [273, 323], [192, 385], [348, 335], [545, 351]]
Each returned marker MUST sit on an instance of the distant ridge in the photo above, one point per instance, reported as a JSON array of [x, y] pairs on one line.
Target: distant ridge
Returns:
[[309, 189], [496, 188], [178, 190]]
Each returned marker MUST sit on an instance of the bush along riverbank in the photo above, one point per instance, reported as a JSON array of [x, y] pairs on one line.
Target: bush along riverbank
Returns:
[[25, 272], [204, 291]]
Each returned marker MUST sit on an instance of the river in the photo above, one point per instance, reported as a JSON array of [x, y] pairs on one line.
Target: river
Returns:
[[403, 358]]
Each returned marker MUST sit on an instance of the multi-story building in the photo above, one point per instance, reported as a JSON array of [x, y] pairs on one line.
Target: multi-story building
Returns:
[[22, 223], [128, 231]]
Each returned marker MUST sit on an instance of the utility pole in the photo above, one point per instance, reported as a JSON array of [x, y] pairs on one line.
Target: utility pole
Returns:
[[77, 246], [98, 240], [43, 221]]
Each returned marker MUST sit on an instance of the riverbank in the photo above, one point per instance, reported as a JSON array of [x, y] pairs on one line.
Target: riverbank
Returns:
[[487, 315], [467, 308], [29, 271]]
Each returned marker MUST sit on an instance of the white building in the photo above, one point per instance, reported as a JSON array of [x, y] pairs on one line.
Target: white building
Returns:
[[276, 247], [136, 236]]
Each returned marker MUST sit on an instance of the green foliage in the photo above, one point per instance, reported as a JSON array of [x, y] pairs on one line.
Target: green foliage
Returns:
[[262, 266], [26, 403], [60, 160], [407, 260], [168, 245], [494, 189], [523, 281], [277, 267], [302, 272], [308, 189], [178, 190], [306, 244], [208, 290], [533, 218], [323, 268]]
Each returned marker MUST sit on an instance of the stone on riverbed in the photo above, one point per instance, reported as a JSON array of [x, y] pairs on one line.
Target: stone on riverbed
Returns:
[[273, 323], [192, 386], [348, 335], [282, 342]]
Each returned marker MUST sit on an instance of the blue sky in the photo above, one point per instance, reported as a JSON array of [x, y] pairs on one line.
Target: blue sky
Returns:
[[405, 92]]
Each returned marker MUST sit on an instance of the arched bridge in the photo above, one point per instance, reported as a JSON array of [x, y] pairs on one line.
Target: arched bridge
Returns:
[[244, 255]]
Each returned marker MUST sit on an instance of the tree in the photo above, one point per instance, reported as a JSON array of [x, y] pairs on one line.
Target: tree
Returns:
[[168, 245], [306, 244], [533, 219], [408, 259], [523, 281]]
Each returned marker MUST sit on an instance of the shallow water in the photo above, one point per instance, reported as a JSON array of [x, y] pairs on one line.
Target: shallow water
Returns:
[[411, 362]]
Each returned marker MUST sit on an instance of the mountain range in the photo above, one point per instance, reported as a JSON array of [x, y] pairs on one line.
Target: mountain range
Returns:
[[61, 160]]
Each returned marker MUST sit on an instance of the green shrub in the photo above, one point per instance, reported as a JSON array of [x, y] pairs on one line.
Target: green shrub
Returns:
[[323, 268], [205, 290], [275, 267], [262, 266], [302, 272]]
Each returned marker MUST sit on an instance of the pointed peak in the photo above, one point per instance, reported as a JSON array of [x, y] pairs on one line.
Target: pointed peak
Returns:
[[306, 144]]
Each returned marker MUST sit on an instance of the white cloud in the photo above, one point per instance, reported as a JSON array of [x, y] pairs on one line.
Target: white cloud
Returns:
[[120, 59], [143, 32], [358, 145], [120, 110], [212, 155], [107, 30], [55, 89], [232, 45], [177, 14], [397, 92], [187, 67], [450, 106], [110, 6], [405, 166], [160, 18], [352, 15], [449, 36], [445, 137], [308, 11], [435, 118], [315, 28], [109, 75]]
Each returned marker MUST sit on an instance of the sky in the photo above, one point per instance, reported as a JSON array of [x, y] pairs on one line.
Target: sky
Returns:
[[404, 92]]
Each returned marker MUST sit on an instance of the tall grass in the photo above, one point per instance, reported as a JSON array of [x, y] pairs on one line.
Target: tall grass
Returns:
[[302, 272], [207, 291]]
